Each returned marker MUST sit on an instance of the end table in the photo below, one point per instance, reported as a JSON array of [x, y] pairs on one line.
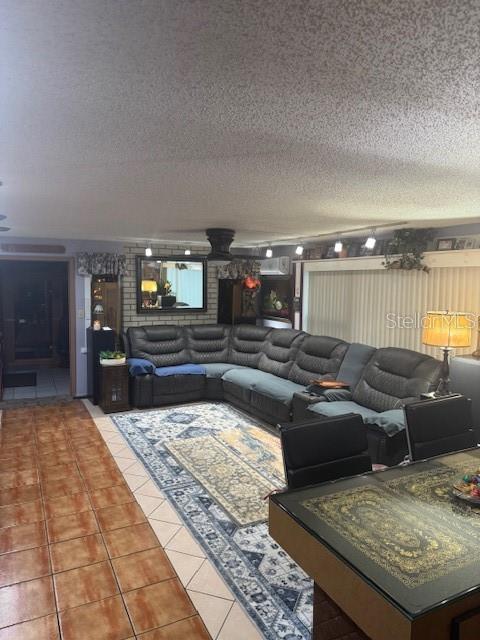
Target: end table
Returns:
[[114, 388]]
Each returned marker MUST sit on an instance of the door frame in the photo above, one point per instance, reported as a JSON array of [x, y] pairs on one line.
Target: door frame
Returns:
[[72, 316]]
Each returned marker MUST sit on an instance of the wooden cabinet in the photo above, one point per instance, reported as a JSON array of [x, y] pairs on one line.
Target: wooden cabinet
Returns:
[[114, 388], [106, 302]]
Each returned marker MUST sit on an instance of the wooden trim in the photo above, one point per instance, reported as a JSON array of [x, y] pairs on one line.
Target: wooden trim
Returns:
[[72, 316]]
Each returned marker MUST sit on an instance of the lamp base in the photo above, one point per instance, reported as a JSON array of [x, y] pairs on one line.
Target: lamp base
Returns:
[[443, 388]]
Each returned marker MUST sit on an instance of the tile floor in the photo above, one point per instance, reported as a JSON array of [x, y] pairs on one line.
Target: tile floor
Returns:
[[79, 558], [50, 382]]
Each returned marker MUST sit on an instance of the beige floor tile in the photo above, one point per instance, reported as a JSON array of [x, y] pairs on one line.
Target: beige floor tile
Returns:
[[149, 488], [134, 482], [114, 447], [148, 503], [114, 438], [186, 566], [166, 513], [212, 610], [164, 531], [238, 626], [125, 452], [208, 580], [183, 541], [123, 463], [136, 469]]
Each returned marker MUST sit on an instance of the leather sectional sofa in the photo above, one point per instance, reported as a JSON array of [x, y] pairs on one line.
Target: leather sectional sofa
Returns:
[[259, 370]]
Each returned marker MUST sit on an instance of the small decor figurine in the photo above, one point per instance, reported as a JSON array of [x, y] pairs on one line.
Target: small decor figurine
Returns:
[[97, 325]]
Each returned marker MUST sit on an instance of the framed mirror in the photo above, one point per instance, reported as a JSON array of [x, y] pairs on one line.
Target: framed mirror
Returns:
[[171, 284]]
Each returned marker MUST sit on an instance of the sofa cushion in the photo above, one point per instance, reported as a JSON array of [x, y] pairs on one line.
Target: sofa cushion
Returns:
[[245, 377], [217, 369], [354, 362], [181, 369], [181, 387], [390, 422], [139, 366], [277, 388], [269, 408], [208, 343], [341, 407], [317, 357], [394, 377], [164, 345], [280, 349], [247, 342]]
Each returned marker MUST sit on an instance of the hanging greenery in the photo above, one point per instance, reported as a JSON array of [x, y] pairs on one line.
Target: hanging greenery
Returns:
[[405, 249]]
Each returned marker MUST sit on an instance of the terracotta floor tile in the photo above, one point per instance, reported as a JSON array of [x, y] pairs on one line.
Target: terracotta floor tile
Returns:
[[52, 448], [62, 487], [45, 628], [18, 464], [65, 505], [17, 495], [188, 629], [130, 540], [111, 496], [110, 621], [26, 513], [10, 479], [142, 568], [24, 536], [122, 515], [73, 526], [84, 585], [77, 552], [49, 437], [157, 605], [26, 600], [54, 459], [92, 453], [24, 565], [100, 467], [59, 472], [104, 480]]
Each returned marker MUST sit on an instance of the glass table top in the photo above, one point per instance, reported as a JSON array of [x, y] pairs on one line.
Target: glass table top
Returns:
[[402, 529]]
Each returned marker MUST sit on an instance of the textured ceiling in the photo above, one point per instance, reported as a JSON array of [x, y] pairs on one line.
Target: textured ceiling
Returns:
[[278, 118]]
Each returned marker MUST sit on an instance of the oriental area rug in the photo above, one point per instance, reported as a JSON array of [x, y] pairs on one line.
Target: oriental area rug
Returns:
[[215, 465]]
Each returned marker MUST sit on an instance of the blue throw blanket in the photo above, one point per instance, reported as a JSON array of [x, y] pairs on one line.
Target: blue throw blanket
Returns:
[[181, 369]]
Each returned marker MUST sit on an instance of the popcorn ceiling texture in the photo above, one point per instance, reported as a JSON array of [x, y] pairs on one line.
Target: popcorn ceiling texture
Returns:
[[133, 319], [278, 118]]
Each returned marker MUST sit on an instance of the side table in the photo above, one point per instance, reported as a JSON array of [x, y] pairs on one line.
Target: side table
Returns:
[[301, 401], [465, 379], [114, 388]]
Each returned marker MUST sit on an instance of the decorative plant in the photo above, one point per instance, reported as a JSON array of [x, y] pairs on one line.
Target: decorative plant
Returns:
[[165, 288], [111, 355], [405, 249]]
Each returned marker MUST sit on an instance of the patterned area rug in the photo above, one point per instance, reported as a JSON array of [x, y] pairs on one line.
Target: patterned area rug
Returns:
[[215, 464]]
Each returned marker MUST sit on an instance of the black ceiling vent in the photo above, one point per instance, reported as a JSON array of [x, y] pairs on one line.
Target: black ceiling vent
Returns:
[[220, 239]]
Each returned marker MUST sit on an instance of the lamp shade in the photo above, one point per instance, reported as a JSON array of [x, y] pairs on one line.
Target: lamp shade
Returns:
[[149, 286], [447, 329]]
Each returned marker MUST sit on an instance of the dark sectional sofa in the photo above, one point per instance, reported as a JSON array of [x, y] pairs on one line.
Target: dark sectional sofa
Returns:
[[260, 369]]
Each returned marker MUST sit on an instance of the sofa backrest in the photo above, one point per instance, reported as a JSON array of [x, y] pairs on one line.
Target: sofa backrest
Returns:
[[317, 357], [247, 343], [164, 345], [281, 347], [393, 377], [208, 343], [354, 362]]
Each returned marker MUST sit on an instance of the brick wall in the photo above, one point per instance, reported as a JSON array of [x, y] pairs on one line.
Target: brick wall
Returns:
[[130, 316]]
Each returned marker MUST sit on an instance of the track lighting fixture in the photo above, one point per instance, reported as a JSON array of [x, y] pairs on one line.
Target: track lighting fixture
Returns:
[[299, 250], [338, 246], [370, 242], [268, 253], [187, 252], [148, 251]]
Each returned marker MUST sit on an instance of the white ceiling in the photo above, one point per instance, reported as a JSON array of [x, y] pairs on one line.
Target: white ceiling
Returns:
[[127, 119]]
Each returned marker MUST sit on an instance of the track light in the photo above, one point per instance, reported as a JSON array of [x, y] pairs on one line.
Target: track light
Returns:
[[299, 250], [338, 246], [148, 251], [268, 253], [370, 242], [187, 252]]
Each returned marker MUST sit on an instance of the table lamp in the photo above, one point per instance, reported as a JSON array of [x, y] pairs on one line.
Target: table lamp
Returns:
[[150, 287], [448, 330]]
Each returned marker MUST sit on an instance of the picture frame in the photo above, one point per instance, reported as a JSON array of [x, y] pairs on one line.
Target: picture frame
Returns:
[[445, 244]]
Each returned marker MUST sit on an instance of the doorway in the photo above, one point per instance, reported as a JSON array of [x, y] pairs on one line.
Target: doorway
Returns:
[[35, 328]]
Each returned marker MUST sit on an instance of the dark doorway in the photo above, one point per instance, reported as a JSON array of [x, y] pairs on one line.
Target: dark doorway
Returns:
[[34, 310]]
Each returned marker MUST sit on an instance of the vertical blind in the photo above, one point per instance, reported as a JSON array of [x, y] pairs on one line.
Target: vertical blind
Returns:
[[384, 308]]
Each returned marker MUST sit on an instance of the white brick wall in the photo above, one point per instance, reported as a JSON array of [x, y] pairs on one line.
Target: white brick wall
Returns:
[[130, 316]]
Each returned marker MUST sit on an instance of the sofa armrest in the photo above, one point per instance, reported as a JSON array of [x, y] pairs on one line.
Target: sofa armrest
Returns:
[[334, 395]]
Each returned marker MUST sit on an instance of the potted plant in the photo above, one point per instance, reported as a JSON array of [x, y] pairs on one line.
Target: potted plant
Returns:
[[112, 358], [405, 249], [167, 299]]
